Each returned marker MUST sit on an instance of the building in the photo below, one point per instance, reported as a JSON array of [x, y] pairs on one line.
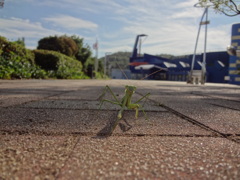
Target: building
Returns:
[[220, 66], [234, 60]]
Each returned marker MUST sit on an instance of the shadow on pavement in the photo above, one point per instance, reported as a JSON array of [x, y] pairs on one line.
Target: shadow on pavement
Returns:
[[111, 126]]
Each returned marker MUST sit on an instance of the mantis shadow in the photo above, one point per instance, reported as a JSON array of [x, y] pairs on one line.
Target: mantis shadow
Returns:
[[107, 130]]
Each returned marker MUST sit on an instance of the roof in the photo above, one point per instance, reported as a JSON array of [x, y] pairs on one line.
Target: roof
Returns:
[[149, 66]]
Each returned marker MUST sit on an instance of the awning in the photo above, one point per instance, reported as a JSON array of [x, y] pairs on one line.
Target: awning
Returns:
[[149, 66], [137, 63]]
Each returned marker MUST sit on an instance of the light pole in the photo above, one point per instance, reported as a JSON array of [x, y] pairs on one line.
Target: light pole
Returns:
[[206, 22], [135, 47], [105, 62]]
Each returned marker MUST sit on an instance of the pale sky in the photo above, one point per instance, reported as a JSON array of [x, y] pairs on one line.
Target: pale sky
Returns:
[[171, 25]]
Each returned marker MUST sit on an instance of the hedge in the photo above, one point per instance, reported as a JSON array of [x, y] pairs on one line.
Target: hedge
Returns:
[[16, 62], [7, 49], [59, 65]]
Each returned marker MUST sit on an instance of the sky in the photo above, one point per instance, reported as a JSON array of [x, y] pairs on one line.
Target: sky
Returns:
[[171, 26]]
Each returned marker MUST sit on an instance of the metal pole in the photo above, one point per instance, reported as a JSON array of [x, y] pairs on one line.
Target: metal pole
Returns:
[[96, 61], [140, 44], [105, 62], [195, 49], [205, 48], [95, 46]]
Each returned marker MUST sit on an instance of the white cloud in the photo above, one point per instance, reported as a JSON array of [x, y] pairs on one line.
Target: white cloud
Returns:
[[171, 25], [16, 27], [185, 4], [188, 13], [70, 22]]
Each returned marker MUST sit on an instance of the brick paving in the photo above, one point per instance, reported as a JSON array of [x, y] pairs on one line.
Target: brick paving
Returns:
[[53, 129]]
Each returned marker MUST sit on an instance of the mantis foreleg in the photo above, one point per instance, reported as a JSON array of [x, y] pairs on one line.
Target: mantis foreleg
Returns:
[[124, 100], [145, 96], [103, 100]]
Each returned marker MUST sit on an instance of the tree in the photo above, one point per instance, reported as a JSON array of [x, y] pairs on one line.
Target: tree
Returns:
[[227, 7], [62, 44], [20, 41], [84, 51], [84, 55], [72, 46]]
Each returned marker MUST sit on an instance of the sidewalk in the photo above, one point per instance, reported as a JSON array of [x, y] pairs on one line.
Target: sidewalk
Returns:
[[52, 129]]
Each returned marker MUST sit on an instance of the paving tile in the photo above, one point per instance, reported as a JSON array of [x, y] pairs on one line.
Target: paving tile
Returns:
[[82, 93], [54, 130], [94, 122], [225, 120], [17, 99], [228, 104], [33, 157], [153, 158], [84, 104]]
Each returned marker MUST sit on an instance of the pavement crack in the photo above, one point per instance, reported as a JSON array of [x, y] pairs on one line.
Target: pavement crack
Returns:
[[224, 106], [199, 124], [92, 134], [210, 96], [193, 121], [81, 109], [35, 100]]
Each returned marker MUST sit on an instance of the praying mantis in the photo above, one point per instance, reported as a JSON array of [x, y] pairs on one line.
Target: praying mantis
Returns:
[[126, 101]]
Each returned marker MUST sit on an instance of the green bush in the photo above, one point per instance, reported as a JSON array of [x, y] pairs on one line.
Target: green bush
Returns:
[[17, 67], [17, 62], [7, 49], [59, 65], [62, 44]]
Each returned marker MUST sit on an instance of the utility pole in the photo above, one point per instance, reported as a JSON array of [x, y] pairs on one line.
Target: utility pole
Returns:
[[105, 62], [203, 70], [95, 47]]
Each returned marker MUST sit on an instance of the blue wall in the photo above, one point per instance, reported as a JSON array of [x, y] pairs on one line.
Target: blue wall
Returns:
[[217, 65], [234, 66]]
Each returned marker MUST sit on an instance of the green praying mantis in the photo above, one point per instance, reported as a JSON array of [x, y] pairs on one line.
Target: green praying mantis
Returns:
[[125, 102]]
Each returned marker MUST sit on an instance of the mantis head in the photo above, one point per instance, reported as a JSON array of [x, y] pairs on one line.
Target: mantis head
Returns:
[[130, 89]]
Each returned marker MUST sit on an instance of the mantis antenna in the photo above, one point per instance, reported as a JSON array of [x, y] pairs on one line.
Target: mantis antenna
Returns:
[[151, 74], [122, 71], [125, 102], [141, 78]]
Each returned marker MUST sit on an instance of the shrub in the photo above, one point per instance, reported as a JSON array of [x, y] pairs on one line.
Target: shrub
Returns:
[[62, 44], [17, 67], [59, 65], [17, 62], [7, 49]]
